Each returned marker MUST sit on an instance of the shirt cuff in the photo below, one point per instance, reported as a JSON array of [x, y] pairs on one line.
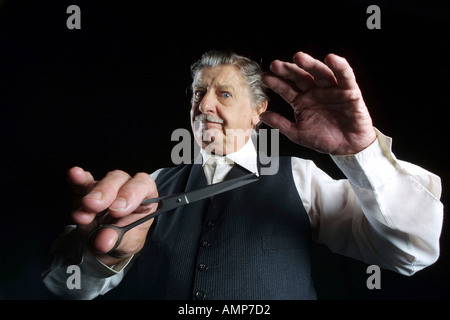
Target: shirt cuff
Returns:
[[371, 167], [96, 268]]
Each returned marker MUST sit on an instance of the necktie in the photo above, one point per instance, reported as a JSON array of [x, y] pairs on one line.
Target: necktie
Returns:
[[217, 168]]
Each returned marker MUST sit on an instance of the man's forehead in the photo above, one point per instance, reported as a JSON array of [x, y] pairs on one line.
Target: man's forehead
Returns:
[[226, 75]]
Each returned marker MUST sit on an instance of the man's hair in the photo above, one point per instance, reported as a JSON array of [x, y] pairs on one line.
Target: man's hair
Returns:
[[249, 69]]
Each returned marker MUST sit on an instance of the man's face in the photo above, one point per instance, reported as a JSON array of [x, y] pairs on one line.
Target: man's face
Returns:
[[222, 115]]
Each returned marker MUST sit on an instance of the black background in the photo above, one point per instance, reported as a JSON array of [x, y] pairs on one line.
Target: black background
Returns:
[[108, 97]]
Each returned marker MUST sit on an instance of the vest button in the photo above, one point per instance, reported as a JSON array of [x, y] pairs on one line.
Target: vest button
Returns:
[[202, 266], [199, 295], [210, 224], [205, 244]]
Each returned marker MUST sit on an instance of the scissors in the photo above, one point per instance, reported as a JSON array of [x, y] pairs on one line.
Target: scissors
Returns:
[[170, 202]]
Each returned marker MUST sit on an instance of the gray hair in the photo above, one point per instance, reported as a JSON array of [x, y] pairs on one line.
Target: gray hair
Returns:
[[249, 69]]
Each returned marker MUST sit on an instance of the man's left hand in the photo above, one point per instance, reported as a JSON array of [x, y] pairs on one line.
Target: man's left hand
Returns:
[[330, 113]]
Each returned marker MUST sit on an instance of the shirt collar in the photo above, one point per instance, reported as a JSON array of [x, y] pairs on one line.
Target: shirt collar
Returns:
[[246, 157]]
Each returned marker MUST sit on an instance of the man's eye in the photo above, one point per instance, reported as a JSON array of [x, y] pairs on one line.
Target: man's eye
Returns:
[[198, 95], [226, 95]]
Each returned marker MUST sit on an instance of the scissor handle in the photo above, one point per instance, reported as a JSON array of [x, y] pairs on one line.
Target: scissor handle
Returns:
[[122, 230]]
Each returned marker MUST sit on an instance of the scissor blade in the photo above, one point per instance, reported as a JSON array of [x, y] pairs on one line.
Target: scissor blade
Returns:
[[220, 187], [180, 199]]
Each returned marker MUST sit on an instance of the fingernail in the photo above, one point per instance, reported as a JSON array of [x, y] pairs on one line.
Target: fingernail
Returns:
[[118, 204], [97, 195]]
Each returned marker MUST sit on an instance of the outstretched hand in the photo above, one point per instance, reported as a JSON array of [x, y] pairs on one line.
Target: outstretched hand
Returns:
[[330, 113], [119, 194]]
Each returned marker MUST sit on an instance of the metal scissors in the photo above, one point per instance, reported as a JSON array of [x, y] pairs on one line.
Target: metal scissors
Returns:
[[170, 202]]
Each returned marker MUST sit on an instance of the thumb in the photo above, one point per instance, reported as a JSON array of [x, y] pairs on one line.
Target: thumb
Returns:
[[277, 121], [104, 240]]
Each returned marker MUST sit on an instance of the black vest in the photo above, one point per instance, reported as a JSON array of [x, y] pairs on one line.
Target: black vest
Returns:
[[249, 243]]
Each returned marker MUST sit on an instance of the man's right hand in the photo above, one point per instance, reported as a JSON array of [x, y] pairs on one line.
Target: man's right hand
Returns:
[[121, 195]]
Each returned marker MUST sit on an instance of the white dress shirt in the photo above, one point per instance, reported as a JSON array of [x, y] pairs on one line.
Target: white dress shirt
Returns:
[[387, 212]]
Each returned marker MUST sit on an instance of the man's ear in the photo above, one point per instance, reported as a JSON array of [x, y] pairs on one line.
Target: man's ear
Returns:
[[259, 109]]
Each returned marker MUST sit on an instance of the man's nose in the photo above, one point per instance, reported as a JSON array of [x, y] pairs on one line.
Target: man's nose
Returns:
[[208, 103]]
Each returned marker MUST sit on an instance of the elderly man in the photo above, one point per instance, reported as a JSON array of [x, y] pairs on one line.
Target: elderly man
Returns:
[[254, 242]]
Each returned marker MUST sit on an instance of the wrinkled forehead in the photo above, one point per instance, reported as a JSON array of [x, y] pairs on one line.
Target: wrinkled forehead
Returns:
[[220, 76]]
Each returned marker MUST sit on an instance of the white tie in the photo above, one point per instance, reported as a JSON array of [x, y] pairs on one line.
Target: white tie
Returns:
[[217, 168]]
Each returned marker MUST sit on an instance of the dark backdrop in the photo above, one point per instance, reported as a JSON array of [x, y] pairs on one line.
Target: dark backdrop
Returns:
[[108, 97]]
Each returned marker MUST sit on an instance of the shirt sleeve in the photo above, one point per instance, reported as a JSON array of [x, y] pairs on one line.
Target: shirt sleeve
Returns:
[[75, 273], [387, 212]]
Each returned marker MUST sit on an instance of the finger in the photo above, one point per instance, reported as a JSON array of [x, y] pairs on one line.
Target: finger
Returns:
[[105, 239], [132, 193], [333, 95], [323, 75], [281, 86], [302, 79], [342, 71], [279, 122], [105, 192], [80, 180], [82, 217]]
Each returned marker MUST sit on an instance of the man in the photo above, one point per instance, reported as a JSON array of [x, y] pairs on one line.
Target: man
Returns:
[[253, 242]]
